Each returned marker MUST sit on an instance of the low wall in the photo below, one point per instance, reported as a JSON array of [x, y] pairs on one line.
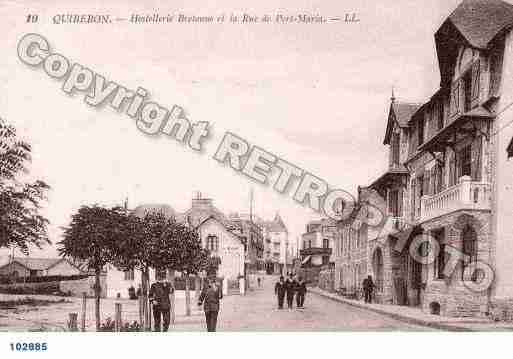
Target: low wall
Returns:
[[49, 288], [86, 285]]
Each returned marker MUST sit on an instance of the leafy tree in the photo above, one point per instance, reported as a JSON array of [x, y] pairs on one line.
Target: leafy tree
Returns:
[[152, 242], [91, 238], [20, 221]]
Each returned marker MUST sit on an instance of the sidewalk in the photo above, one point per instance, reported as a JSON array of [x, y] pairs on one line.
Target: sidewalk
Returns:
[[416, 316]]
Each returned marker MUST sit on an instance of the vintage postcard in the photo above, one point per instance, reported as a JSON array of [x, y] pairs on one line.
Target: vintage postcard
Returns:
[[265, 166]]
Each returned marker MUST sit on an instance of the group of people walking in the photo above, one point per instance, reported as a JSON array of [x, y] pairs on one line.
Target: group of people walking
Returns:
[[288, 288]]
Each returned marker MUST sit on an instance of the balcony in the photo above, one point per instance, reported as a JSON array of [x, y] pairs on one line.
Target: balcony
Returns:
[[315, 251], [467, 195]]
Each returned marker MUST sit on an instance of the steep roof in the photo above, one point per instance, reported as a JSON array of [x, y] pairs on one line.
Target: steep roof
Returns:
[[195, 216], [227, 227], [475, 23], [479, 21], [35, 263], [400, 113]]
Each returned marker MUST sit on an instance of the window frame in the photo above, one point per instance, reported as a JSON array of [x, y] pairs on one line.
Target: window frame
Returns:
[[129, 274]]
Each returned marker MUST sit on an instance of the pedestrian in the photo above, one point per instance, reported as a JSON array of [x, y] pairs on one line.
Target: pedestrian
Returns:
[[301, 292], [368, 288], [258, 280], [290, 287], [210, 298], [279, 291], [159, 297]]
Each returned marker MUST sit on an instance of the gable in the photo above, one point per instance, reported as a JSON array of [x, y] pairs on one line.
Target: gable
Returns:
[[212, 226]]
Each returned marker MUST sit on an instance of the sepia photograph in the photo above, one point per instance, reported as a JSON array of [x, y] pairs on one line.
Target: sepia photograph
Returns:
[[255, 167]]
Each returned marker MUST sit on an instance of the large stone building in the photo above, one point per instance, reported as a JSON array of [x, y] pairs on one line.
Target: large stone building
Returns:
[[449, 178]]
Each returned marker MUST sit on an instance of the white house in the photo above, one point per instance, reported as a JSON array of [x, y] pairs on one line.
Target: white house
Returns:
[[215, 233]]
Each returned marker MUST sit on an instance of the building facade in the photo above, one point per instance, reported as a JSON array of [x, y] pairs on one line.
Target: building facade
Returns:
[[276, 246], [317, 243], [217, 233], [449, 177], [251, 231]]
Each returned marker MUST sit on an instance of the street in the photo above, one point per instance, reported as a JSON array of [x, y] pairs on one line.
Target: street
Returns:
[[257, 311]]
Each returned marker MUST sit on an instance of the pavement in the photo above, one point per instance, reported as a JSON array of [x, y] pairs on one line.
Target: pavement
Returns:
[[416, 316], [254, 312]]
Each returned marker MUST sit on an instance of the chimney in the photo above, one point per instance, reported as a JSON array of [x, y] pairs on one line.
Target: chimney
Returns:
[[200, 203]]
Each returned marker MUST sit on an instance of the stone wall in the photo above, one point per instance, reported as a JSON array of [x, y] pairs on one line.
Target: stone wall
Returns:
[[453, 297]]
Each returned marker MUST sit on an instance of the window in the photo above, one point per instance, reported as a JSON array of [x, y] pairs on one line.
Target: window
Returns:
[[325, 260], [465, 161], [395, 203], [395, 149], [325, 243], [362, 235], [467, 91], [440, 115], [129, 274], [439, 178], [440, 260], [420, 130], [212, 243], [160, 274], [469, 238], [33, 273]]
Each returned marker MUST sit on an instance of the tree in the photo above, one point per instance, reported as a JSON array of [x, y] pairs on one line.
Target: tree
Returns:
[[194, 259], [153, 242], [20, 222], [92, 237]]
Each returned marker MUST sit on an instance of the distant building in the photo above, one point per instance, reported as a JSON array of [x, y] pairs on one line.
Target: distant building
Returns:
[[251, 232], [276, 246], [25, 267], [317, 243]]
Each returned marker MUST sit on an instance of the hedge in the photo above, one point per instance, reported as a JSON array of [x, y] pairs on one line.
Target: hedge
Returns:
[[42, 279], [49, 288]]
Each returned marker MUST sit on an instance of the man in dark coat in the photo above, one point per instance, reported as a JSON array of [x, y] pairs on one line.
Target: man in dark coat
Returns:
[[279, 290], [210, 297], [301, 292], [368, 288], [159, 297], [290, 286]]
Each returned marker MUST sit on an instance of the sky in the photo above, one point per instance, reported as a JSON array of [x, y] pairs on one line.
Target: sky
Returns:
[[316, 95]]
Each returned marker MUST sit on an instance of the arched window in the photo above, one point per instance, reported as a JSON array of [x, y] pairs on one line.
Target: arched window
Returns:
[[469, 248]]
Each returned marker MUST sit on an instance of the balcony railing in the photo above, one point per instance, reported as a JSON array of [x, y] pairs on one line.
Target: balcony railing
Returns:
[[465, 195], [315, 251]]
